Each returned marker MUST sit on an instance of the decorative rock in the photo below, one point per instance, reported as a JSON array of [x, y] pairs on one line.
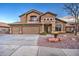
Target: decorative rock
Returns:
[[54, 39], [74, 39], [60, 39]]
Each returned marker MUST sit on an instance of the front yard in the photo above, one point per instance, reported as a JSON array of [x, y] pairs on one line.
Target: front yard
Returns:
[[69, 41]]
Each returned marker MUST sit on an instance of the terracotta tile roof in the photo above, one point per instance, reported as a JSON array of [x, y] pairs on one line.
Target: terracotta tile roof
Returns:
[[4, 24]]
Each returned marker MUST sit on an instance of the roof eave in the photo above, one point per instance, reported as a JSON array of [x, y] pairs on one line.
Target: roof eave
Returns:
[[61, 20]]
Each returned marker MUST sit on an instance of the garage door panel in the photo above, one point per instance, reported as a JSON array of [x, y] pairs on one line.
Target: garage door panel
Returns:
[[31, 29], [16, 30]]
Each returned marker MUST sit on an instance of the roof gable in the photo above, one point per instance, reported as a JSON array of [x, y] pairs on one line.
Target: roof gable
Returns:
[[32, 10], [49, 13]]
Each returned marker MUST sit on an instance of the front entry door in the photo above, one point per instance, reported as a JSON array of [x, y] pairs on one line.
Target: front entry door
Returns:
[[47, 28]]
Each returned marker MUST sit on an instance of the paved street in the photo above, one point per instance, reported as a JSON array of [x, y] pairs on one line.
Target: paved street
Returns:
[[26, 45]]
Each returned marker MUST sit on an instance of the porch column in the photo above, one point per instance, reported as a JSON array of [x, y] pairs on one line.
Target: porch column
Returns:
[[42, 28], [10, 30], [53, 28], [20, 29]]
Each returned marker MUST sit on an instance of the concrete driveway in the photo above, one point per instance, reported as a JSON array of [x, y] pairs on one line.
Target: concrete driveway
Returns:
[[18, 39], [26, 45]]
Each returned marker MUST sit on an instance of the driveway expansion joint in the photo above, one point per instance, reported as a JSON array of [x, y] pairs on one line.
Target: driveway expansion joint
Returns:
[[15, 50]]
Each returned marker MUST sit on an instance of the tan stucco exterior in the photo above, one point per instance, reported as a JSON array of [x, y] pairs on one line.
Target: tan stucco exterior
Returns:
[[46, 22], [32, 14], [23, 19]]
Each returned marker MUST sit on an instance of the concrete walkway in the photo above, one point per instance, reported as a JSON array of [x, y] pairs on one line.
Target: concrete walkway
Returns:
[[26, 45], [13, 50]]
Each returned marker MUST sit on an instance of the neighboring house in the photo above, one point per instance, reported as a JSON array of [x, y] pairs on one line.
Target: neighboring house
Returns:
[[35, 22], [4, 28], [71, 27]]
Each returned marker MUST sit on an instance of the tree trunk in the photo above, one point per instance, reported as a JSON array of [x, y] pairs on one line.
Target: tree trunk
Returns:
[[75, 29], [55, 35]]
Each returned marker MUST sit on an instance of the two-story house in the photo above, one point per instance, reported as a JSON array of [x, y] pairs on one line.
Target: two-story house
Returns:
[[35, 22]]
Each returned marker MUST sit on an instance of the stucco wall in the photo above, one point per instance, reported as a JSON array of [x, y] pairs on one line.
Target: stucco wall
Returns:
[[50, 16], [48, 19], [23, 18], [32, 14]]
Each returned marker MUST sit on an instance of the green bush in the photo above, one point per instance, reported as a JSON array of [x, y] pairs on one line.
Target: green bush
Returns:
[[44, 33]]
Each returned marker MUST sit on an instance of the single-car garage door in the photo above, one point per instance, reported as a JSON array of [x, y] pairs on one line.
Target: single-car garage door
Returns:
[[31, 29]]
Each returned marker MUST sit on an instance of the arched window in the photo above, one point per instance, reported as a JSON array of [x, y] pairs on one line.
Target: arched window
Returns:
[[47, 18], [51, 19], [58, 27], [44, 19]]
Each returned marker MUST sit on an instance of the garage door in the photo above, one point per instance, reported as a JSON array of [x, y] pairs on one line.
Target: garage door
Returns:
[[15, 30], [31, 29]]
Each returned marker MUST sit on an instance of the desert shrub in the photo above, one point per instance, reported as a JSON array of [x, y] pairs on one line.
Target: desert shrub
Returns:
[[43, 33], [55, 34]]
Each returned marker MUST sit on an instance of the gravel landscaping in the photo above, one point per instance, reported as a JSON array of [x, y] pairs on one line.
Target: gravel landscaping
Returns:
[[69, 41]]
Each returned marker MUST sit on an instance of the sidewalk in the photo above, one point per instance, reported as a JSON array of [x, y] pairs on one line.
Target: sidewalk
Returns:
[[13, 50], [44, 51]]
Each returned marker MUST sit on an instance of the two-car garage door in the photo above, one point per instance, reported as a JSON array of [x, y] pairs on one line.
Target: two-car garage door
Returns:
[[31, 29], [28, 29]]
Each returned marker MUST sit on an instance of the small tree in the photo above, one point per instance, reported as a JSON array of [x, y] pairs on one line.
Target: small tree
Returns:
[[73, 10]]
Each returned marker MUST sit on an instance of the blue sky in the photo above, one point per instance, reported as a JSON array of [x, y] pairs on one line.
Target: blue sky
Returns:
[[9, 12]]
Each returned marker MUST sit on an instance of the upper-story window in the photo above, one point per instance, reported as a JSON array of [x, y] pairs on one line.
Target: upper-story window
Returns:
[[33, 18], [44, 19], [51, 19], [48, 19]]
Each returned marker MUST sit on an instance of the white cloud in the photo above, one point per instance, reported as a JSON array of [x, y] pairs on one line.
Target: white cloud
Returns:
[[68, 19], [7, 21]]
